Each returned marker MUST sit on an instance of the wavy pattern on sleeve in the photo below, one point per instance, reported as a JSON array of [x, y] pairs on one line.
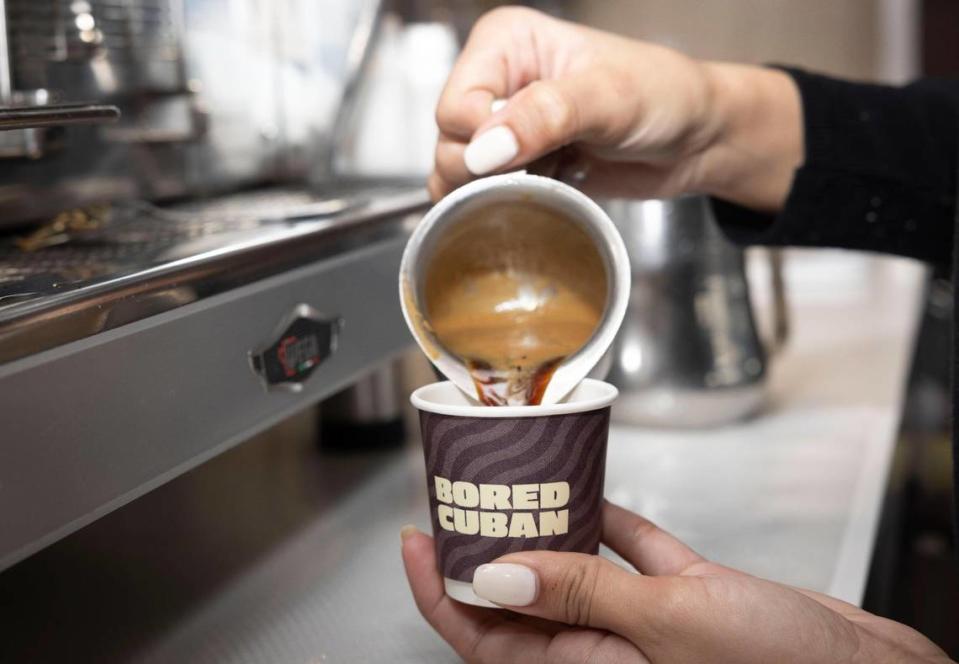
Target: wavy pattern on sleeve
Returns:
[[530, 450]]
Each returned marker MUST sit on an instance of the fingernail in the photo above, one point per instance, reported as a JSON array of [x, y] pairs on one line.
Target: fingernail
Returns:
[[493, 148], [408, 531], [497, 105], [505, 583]]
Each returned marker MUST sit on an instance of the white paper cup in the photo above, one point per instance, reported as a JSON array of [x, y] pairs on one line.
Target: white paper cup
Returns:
[[523, 189]]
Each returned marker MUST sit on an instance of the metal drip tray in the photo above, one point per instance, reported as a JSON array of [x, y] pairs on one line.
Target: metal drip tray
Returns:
[[122, 263], [81, 247], [128, 334]]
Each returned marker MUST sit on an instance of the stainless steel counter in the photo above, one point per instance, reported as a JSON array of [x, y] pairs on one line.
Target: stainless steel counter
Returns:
[[275, 553]]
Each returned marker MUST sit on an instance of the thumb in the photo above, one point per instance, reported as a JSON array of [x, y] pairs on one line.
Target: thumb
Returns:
[[574, 588], [540, 118]]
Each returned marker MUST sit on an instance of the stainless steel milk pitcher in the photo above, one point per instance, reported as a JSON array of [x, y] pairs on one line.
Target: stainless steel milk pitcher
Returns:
[[688, 353]]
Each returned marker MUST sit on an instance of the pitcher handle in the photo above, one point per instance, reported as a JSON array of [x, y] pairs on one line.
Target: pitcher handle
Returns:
[[781, 322]]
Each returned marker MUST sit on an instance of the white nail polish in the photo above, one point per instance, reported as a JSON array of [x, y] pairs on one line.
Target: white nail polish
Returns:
[[505, 583], [498, 104], [490, 150]]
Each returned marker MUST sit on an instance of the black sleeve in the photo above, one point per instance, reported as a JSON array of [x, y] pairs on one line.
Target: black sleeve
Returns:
[[879, 174]]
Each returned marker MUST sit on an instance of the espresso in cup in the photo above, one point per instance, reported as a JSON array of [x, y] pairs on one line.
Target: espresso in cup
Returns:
[[513, 300], [514, 286]]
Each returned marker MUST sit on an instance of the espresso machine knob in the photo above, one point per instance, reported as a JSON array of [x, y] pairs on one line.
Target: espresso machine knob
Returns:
[[300, 343]]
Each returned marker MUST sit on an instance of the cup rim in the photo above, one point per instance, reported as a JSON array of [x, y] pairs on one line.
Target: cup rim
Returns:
[[607, 393]]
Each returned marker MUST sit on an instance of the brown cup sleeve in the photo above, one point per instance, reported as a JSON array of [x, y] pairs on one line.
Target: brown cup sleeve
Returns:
[[500, 485]]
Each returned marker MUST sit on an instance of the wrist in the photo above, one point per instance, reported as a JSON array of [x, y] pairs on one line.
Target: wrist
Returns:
[[757, 141]]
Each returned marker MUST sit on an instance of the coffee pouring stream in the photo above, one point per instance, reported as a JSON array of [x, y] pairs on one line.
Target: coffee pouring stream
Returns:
[[514, 286]]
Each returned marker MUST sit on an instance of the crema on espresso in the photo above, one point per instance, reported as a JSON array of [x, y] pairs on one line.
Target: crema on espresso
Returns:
[[513, 290]]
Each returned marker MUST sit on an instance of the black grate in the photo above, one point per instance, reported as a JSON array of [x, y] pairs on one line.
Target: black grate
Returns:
[[80, 247]]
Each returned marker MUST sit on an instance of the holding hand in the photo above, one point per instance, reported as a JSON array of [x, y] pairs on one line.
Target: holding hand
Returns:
[[636, 119], [567, 607]]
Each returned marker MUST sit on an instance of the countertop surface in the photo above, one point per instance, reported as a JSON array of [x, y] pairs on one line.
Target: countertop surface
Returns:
[[793, 495]]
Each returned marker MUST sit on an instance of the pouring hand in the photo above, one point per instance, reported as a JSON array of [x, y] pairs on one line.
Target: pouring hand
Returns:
[[637, 119], [566, 607]]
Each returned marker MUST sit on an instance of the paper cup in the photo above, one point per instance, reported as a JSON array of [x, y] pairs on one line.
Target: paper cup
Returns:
[[512, 478]]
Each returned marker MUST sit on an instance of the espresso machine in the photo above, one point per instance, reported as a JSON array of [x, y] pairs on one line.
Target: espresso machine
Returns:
[[181, 265], [180, 98]]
